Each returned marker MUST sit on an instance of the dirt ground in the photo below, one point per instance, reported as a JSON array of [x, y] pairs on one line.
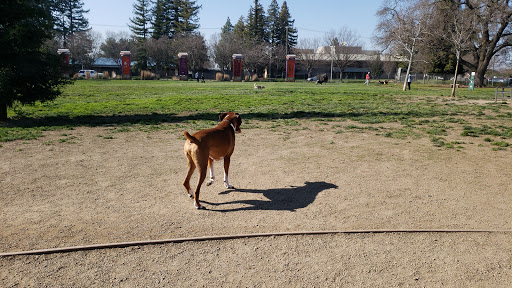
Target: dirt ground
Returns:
[[92, 186]]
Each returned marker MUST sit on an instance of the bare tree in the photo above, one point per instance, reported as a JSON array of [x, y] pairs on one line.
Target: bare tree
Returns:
[[195, 46], [492, 32], [345, 46], [402, 25], [223, 49], [116, 42], [162, 53], [306, 55], [458, 29], [82, 47], [255, 57]]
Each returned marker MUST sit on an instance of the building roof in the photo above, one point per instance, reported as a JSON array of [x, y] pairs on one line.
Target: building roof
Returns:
[[106, 62]]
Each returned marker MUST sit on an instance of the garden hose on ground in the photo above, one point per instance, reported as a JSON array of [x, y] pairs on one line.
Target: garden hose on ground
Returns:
[[239, 236]]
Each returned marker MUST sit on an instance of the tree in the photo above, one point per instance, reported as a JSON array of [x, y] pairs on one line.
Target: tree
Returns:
[[115, 43], [254, 56], [141, 20], [162, 53], [256, 23], [185, 17], [287, 35], [239, 30], [223, 49], [140, 29], [172, 17], [161, 20], [402, 25], [69, 19], [81, 46], [228, 27], [273, 23], [345, 46], [29, 71], [195, 46], [306, 54], [492, 32], [458, 26]]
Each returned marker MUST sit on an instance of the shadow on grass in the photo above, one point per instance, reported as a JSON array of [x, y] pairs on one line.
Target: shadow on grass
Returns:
[[279, 199], [156, 118]]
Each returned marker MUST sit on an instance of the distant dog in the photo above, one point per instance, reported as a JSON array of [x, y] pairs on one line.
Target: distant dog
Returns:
[[204, 146], [322, 80], [258, 86], [383, 83]]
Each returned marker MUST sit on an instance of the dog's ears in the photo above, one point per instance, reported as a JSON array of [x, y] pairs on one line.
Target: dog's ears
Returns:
[[222, 116]]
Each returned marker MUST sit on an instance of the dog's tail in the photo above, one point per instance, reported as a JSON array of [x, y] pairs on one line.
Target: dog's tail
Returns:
[[190, 138]]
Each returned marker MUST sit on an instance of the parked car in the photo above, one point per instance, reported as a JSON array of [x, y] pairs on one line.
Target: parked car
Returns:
[[92, 73]]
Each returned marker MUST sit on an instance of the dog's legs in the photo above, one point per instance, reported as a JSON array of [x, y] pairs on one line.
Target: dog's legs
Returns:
[[191, 168], [212, 175], [202, 176], [227, 160]]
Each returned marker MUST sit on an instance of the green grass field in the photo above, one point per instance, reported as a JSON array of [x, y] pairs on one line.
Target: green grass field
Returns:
[[425, 110]]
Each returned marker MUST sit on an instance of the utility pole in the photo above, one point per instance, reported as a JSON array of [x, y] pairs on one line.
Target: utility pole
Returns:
[[332, 58]]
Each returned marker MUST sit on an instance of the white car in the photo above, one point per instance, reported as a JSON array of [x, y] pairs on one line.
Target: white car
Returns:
[[92, 73]]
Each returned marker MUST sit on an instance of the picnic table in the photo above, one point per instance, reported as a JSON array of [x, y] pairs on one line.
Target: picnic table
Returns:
[[502, 94]]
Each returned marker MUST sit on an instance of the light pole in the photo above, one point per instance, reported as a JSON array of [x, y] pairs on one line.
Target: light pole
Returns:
[[332, 59]]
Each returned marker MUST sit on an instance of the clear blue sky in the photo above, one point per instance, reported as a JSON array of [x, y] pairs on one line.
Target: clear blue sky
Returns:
[[312, 18]]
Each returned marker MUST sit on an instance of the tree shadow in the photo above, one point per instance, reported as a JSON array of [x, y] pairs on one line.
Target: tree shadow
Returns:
[[161, 118], [280, 199]]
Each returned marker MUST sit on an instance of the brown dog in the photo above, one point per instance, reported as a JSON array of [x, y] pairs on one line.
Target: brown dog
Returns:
[[204, 146]]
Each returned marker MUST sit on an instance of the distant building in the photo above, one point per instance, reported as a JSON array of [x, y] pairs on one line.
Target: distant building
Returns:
[[107, 64], [358, 61]]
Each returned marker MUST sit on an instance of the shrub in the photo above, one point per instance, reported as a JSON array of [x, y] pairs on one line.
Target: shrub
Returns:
[[147, 75]]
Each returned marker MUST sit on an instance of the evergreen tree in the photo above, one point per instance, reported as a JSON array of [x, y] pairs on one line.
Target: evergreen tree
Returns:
[[29, 70], [185, 17], [162, 15], [141, 20], [228, 27], [273, 22], [256, 23], [69, 18], [171, 17], [287, 33], [140, 29], [240, 29]]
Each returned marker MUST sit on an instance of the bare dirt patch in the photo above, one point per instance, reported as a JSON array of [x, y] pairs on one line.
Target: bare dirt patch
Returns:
[[82, 187]]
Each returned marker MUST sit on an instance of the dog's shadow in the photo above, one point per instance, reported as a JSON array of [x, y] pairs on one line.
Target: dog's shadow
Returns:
[[289, 199]]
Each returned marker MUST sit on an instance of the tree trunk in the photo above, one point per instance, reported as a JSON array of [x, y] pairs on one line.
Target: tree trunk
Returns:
[[407, 74], [480, 74], [3, 111], [455, 78]]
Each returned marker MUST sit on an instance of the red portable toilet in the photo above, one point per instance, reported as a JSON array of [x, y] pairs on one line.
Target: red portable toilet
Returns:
[[126, 64], [64, 58], [237, 67], [290, 68], [183, 66]]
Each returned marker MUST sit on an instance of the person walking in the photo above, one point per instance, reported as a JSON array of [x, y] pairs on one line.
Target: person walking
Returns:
[[367, 79], [409, 80]]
